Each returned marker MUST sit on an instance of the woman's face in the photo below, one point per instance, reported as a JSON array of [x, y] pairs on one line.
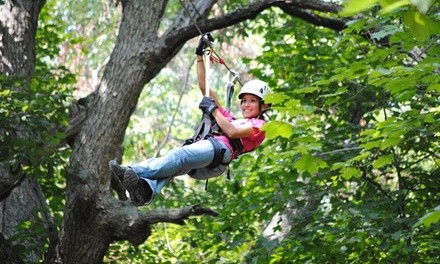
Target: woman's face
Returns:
[[250, 106]]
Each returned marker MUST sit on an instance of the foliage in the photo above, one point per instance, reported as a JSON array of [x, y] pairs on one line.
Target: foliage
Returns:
[[58, 87], [350, 170], [363, 127], [36, 105], [33, 112], [413, 12], [87, 34]]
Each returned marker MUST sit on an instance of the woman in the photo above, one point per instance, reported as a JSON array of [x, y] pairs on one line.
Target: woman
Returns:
[[145, 180]]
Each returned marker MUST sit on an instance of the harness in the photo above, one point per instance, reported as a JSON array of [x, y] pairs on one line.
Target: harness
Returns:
[[208, 126]]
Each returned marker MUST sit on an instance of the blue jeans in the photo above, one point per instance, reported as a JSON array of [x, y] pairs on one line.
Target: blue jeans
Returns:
[[159, 171]]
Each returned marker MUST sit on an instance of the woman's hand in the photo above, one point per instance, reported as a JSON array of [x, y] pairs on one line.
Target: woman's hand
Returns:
[[207, 105]]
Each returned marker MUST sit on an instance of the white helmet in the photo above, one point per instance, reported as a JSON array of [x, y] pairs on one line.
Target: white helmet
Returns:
[[255, 87]]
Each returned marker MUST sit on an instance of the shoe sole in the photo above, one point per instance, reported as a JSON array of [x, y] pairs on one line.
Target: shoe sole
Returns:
[[117, 170], [134, 186]]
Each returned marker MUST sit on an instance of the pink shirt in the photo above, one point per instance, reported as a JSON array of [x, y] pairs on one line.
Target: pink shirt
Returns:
[[249, 143]]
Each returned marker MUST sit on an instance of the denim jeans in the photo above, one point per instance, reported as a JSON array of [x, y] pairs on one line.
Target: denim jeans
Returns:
[[157, 172]]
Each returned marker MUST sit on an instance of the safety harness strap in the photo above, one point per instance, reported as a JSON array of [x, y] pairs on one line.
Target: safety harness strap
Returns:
[[236, 146], [219, 152], [202, 130]]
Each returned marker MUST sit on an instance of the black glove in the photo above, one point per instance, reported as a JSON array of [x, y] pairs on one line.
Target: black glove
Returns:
[[205, 41], [207, 105]]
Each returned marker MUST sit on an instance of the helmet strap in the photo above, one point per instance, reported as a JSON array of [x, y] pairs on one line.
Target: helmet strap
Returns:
[[262, 111]]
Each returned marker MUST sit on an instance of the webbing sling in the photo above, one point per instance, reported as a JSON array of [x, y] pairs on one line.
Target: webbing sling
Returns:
[[207, 125], [219, 152], [203, 130]]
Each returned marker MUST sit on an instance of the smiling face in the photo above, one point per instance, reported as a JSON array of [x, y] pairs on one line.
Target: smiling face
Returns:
[[251, 106]]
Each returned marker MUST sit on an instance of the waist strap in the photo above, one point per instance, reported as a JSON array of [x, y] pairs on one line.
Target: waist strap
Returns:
[[237, 146], [219, 153]]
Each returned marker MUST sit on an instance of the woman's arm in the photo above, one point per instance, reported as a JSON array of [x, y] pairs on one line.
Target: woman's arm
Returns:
[[201, 75], [231, 130]]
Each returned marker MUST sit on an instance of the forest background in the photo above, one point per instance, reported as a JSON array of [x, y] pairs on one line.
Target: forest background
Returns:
[[349, 172]]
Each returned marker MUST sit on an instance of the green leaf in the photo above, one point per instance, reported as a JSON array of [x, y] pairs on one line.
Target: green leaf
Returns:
[[350, 172], [306, 90], [294, 103], [337, 165], [5, 93], [357, 6], [277, 128], [382, 161], [386, 31], [361, 156], [371, 144], [428, 118], [309, 163], [356, 24], [435, 87], [418, 24], [429, 218], [397, 85], [388, 7], [303, 163], [275, 98], [321, 164], [390, 142]]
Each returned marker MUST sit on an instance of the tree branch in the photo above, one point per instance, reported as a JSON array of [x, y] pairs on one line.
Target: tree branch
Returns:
[[133, 225], [177, 216], [306, 15], [296, 8], [184, 29]]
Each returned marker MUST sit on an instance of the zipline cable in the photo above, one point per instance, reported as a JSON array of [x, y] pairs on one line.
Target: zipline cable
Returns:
[[191, 17], [218, 59]]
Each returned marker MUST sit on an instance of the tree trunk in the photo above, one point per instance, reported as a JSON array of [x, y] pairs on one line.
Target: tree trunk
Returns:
[[7, 256], [292, 220], [93, 218], [18, 25]]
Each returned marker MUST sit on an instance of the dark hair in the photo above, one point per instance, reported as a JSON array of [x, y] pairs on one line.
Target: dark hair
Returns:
[[263, 112]]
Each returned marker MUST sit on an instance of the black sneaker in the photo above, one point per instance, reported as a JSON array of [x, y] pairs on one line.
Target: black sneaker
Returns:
[[117, 169], [140, 192]]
